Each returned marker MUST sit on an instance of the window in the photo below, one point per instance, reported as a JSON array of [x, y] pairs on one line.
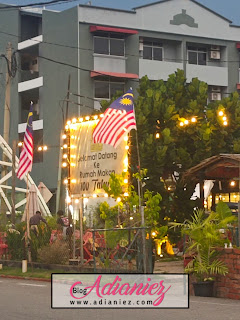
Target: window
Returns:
[[152, 50], [197, 55], [37, 142], [109, 44], [107, 89]]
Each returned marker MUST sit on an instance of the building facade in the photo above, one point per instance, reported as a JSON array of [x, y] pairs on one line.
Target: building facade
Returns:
[[98, 51]]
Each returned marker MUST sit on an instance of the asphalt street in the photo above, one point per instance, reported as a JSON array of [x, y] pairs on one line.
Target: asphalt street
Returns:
[[26, 299]]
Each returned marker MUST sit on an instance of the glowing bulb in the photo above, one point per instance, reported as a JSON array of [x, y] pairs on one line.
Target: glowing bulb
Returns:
[[157, 135], [81, 119], [73, 164], [220, 113], [131, 218], [95, 117], [73, 146], [66, 127], [232, 183], [105, 195], [72, 137], [224, 118], [125, 138], [20, 144], [74, 181], [154, 234], [124, 170], [65, 181], [74, 120], [118, 199], [64, 164], [125, 180], [39, 148], [193, 119], [69, 122], [77, 201], [65, 146], [87, 118], [85, 200], [69, 200], [64, 136], [181, 124], [125, 194], [101, 115], [186, 122], [225, 123], [125, 161], [126, 147], [94, 195], [45, 148], [73, 156], [65, 156]]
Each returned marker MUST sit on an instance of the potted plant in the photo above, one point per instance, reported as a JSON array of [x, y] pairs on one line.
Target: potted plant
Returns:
[[203, 237]]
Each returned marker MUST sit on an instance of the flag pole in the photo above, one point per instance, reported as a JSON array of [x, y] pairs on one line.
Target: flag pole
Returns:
[[28, 226], [141, 208]]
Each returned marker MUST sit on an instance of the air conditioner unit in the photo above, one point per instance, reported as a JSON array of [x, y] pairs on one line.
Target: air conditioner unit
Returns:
[[215, 96], [215, 55], [216, 89], [215, 48]]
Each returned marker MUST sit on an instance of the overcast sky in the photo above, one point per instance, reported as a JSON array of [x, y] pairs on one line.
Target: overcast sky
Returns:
[[228, 8]]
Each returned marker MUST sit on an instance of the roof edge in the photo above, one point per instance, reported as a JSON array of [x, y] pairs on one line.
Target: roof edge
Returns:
[[105, 8]]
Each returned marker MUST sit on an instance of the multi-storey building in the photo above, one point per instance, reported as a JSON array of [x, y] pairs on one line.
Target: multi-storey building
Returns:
[[104, 50]]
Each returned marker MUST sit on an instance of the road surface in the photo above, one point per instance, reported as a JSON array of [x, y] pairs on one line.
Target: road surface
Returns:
[[26, 299]]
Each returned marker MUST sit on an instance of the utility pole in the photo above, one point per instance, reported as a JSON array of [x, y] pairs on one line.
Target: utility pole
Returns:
[[14, 147], [6, 121]]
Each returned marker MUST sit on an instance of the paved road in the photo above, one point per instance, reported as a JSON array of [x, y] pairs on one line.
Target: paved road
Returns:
[[25, 300]]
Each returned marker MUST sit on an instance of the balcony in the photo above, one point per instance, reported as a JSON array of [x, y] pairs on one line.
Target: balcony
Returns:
[[30, 84], [29, 43], [27, 75], [215, 76], [156, 70], [109, 63]]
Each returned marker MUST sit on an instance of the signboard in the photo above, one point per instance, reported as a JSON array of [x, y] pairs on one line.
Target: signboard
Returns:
[[91, 164]]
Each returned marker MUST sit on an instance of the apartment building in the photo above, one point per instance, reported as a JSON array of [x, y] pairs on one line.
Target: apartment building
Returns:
[[104, 50]]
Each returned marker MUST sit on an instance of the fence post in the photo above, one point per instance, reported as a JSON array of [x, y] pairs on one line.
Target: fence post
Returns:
[[94, 253]]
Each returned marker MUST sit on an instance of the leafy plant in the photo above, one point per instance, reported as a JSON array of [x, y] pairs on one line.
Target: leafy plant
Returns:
[[203, 234], [56, 253]]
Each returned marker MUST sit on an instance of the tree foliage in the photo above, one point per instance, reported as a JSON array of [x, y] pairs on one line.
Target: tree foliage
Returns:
[[160, 107]]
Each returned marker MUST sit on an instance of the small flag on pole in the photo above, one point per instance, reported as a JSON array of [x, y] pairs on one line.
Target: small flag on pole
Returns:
[[26, 156], [117, 121]]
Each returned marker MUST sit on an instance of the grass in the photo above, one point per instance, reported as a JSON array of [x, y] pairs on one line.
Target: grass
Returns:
[[31, 273]]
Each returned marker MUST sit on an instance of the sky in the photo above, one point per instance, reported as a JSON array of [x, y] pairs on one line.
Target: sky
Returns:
[[228, 8]]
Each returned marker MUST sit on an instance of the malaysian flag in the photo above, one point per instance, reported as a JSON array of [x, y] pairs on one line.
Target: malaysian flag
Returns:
[[26, 156], [117, 121]]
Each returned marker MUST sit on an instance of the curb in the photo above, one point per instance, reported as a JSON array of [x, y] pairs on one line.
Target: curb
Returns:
[[24, 278]]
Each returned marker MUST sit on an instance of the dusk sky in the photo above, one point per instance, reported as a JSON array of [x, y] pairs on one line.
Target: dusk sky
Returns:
[[228, 8]]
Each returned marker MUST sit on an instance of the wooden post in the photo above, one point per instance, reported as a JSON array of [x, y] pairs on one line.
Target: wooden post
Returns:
[[201, 183], [6, 122], [81, 230]]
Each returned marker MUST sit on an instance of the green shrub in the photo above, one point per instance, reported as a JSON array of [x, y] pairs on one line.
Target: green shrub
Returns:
[[56, 253]]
